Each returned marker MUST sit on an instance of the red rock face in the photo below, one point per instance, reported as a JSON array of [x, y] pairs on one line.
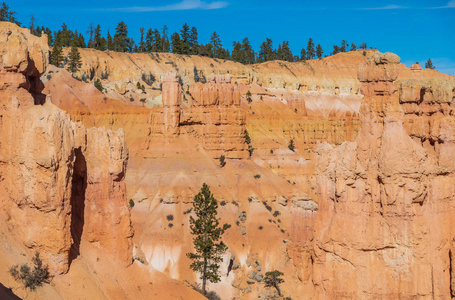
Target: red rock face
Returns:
[[62, 184], [383, 228]]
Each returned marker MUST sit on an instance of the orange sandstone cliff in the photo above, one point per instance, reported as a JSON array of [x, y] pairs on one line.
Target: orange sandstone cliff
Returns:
[[361, 209]]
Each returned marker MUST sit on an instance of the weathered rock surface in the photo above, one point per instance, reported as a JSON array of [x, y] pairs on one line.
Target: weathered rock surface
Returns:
[[64, 192], [384, 227], [362, 207]]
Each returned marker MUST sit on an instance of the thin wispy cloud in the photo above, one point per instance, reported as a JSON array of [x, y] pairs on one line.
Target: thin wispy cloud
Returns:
[[384, 7], [450, 4], [183, 5]]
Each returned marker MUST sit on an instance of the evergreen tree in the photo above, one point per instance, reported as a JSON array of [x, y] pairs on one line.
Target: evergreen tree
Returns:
[[266, 52], [207, 233], [99, 41], [237, 52], [336, 49], [56, 58], [353, 47], [272, 279], [303, 55], [185, 39], [247, 52], [8, 15], [310, 49], [165, 40], [284, 52], [78, 38], [176, 43], [109, 42], [215, 41], [149, 40], [74, 59], [157, 45], [194, 45], [429, 64], [121, 40], [319, 51], [64, 37], [142, 48], [91, 32], [363, 45]]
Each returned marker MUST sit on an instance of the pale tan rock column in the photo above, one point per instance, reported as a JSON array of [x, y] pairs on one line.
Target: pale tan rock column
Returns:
[[172, 95]]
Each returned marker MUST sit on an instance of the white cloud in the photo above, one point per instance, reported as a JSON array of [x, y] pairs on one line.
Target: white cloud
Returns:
[[450, 4], [184, 5], [385, 7]]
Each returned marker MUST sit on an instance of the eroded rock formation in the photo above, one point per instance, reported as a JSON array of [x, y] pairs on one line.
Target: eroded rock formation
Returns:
[[384, 227], [62, 183]]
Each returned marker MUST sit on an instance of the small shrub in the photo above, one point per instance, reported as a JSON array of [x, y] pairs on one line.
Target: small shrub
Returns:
[[250, 199], [270, 220], [237, 223], [247, 138], [98, 85], [250, 150], [257, 176], [222, 161], [131, 99], [291, 145], [248, 96], [295, 110], [271, 151], [104, 75], [223, 203], [235, 203], [131, 203], [188, 211], [276, 213], [143, 101], [31, 278], [49, 77], [170, 217], [268, 208], [364, 53], [260, 227], [170, 225]]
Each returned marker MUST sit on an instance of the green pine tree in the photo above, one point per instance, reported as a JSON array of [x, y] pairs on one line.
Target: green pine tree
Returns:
[[142, 46], [319, 51], [310, 49], [194, 45], [185, 39], [74, 59], [56, 55], [429, 64], [176, 43], [217, 47], [207, 233], [272, 279], [121, 37]]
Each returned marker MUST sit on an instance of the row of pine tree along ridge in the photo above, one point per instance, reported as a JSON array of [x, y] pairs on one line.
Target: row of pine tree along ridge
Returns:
[[184, 42]]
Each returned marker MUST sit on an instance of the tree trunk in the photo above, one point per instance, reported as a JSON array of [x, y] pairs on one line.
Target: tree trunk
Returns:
[[278, 289], [204, 277]]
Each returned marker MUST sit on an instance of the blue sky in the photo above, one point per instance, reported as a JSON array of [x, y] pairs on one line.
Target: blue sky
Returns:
[[415, 29]]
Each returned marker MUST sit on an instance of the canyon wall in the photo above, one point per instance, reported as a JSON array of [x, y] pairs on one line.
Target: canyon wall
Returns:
[[360, 208], [384, 227], [61, 182]]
